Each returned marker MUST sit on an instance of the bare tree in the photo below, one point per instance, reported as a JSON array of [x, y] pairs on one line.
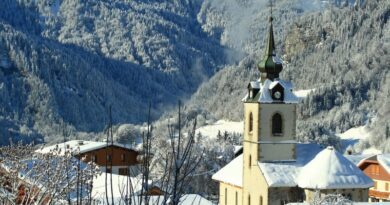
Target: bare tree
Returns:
[[175, 165], [27, 177]]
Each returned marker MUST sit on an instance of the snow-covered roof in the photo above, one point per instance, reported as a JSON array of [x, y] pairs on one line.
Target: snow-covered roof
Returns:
[[384, 160], [283, 174], [231, 173], [255, 84], [78, 146], [357, 158], [331, 170], [265, 95]]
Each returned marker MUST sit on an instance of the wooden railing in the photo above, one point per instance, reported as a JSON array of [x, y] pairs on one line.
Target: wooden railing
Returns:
[[379, 194]]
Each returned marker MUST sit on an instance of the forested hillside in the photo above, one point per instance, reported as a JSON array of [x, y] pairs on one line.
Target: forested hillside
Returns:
[[67, 60], [342, 52]]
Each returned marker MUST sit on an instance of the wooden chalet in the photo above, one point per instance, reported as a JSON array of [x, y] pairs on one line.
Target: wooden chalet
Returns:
[[378, 169], [110, 157]]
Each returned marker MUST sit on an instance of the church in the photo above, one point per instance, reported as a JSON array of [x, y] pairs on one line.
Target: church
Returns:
[[274, 168]]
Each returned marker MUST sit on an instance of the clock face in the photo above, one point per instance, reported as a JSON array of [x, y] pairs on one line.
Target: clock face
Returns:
[[277, 95]]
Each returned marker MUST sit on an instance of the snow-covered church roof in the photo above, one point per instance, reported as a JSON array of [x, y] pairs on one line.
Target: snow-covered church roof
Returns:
[[231, 173], [264, 95], [284, 174], [331, 170], [313, 168]]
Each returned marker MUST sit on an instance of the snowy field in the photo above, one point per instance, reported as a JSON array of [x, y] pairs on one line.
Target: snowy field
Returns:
[[354, 135], [303, 93], [221, 126]]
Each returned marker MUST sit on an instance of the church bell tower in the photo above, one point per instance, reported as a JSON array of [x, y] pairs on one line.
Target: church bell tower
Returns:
[[269, 120], [270, 111]]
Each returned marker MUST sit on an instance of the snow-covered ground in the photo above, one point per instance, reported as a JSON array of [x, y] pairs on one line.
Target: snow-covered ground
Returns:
[[221, 125], [119, 192], [354, 135]]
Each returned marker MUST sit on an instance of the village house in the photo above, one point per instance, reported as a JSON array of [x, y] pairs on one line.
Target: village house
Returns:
[[274, 168], [377, 167], [119, 159]]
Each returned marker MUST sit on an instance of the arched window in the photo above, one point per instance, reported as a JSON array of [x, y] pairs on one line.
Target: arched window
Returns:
[[250, 161], [277, 125], [250, 122], [261, 200]]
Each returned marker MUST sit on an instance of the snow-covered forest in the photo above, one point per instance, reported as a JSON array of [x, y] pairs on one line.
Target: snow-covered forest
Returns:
[[341, 52], [67, 61]]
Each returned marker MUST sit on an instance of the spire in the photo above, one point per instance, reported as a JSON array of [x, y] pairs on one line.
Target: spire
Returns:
[[271, 66], [271, 41]]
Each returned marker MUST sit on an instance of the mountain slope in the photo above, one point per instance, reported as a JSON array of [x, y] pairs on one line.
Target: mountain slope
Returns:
[[342, 52], [71, 60]]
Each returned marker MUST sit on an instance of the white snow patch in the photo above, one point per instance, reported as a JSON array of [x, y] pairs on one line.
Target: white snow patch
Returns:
[[371, 151], [355, 133], [119, 192], [221, 126], [303, 93], [119, 186]]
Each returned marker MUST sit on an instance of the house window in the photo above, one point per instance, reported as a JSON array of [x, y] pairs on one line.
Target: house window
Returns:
[[250, 161], [387, 187], [123, 158], [225, 196], [277, 124], [250, 122], [375, 185], [108, 170]]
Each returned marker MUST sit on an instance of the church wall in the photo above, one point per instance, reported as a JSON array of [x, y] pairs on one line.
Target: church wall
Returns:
[[255, 186], [357, 195], [288, 112], [229, 194], [284, 195], [269, 151]]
